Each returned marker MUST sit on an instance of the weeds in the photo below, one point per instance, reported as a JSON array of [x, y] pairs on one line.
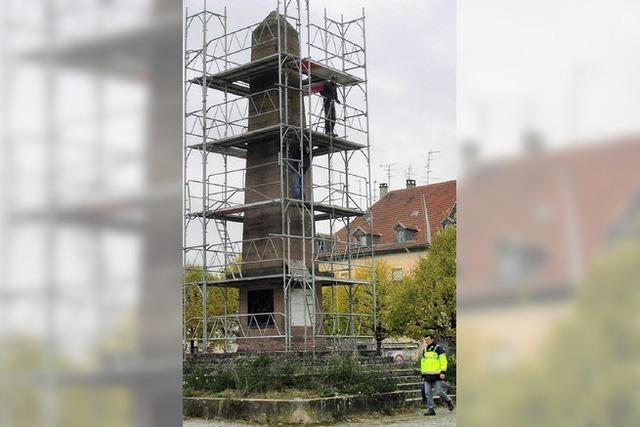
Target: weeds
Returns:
[[262, 375]]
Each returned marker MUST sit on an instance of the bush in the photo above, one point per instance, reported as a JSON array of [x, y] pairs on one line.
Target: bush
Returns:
[[339, 375], [201, 379]]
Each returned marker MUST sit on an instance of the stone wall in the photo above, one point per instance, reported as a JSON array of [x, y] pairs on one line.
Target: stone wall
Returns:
[[296, 411]]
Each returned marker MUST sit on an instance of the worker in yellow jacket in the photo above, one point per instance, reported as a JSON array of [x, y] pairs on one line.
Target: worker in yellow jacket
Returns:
[[433, 367]]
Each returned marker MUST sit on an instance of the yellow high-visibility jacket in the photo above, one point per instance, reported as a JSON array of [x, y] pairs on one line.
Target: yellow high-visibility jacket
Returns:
[[433, 361]]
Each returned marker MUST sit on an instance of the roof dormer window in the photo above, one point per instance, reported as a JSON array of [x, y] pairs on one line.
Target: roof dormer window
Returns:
[[404, 233], [363, 239]]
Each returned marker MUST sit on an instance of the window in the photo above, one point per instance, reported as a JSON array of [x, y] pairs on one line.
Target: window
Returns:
[[324, 244], [518, 260], [451, 217], [364, 239], [260, 301], [397, 274], [404, 234]]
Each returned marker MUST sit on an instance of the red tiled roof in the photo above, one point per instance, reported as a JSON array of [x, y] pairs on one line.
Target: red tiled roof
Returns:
[[397, 207], [562, 203]]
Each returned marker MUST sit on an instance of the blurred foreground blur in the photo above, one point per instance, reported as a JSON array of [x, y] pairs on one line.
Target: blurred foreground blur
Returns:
[[548, 299], [549, 223], [90, 214]]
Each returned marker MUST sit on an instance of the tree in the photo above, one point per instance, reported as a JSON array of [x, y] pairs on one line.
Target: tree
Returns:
[[426, 299], [336, 299], [193, 300], [586, 374]]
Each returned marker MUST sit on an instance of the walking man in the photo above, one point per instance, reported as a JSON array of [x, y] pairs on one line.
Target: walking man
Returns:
[[433, 367], [329, 94]]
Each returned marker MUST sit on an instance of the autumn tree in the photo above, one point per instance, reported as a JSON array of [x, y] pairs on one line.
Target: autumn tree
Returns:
[[336, 299], [216, 296], [592, 355], [426, 299]]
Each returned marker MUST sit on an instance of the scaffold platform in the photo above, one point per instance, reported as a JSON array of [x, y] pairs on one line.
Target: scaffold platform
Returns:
[[237, 145], [235, 213], [238, 282], [236, 80]]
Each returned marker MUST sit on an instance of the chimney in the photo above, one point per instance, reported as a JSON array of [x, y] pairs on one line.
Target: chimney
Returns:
[[533, 142], [384, 189], [411, 183], [470, 155]]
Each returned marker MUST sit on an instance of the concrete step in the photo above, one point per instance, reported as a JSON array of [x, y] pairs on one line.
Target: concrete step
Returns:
[[387, 364], [436, 399], [396, 371], [409, 386], [415, 393], [404, 378]]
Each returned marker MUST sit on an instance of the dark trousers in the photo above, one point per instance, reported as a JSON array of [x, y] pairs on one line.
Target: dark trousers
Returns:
[[329, 107]]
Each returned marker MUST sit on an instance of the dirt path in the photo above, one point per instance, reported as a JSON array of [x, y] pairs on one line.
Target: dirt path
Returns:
[[409, 419]]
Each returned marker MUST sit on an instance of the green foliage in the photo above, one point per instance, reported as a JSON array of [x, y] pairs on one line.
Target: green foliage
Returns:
[[336, 299], [426, 299], [586, 374], [344, 375], [24, 358], [263, 375], [193, 275]]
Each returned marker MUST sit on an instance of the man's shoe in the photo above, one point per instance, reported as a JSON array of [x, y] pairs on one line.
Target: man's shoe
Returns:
[[430, 411], [450, 405]]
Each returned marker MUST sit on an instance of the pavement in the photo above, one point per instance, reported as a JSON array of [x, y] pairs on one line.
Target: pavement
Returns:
[[414, 418]]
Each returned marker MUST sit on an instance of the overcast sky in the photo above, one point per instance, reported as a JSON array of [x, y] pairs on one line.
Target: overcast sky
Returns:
[[411, 70], [568, 70]]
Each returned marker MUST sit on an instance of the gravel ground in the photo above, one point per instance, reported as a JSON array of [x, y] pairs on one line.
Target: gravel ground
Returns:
[[408, 419]]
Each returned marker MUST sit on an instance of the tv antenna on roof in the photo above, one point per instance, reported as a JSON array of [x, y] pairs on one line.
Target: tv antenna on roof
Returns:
[[409, 172], [388, 167], [430, 156]]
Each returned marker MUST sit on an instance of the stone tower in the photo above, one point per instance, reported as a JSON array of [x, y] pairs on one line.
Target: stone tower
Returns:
[[264, 248]]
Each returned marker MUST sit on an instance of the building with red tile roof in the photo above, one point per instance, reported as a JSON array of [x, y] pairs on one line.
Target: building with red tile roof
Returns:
[[404, 222], [538, 221], [533, 227]]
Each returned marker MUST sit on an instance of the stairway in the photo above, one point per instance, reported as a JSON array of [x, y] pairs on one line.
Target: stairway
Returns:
[[407, 377]]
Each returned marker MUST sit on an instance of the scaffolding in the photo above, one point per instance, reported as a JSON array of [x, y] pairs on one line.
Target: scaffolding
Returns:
[[225, 118], [86, 198]]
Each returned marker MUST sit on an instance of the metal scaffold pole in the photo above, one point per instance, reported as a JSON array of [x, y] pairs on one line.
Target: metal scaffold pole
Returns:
[[187, 23], [369, 198], [205, 336]]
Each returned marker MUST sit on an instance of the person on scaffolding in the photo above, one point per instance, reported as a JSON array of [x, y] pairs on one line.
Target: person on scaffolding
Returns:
[[294, 155], [329, 93]]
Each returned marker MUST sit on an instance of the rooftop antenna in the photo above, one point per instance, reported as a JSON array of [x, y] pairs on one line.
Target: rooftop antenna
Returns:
[[430, 156], [375, 190], [388, 167], [409, 172]]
